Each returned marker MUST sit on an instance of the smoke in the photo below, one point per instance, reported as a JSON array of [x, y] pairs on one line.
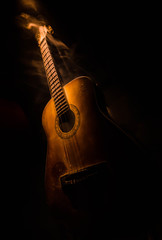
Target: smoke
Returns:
[[31, 19], [30, 4], [32, 81], [33, 78]]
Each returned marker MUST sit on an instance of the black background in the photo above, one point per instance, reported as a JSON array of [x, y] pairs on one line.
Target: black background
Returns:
[[119, 46]]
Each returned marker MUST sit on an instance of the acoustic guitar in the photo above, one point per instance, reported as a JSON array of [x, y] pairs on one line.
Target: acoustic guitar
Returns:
[[81, 142]]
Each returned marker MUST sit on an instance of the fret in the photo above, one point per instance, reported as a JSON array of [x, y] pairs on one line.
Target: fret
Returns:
[[51, 82], [55, 87], [61, 101], [43, 46], [44, 50], [45, 53], [57, 97], [62, 111], [60, 95], [48, 59], [52, 72], [42, 41], [58, 90], [50, 68], [62, 107], [49, 65], [54, 78], [55, 84], [52, 94]]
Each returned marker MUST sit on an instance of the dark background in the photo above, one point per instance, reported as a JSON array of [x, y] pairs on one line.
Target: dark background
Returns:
[[119, 46]]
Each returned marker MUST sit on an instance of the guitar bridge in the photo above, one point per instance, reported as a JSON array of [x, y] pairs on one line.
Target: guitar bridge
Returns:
[[84, 175]]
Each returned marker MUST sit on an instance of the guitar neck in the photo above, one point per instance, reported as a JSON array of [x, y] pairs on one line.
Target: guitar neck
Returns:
[[56, 90]]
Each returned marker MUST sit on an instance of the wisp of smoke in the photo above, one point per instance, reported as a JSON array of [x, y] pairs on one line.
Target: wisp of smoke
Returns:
[[32, 23], [62, 55], [32, 4], [32, 69]]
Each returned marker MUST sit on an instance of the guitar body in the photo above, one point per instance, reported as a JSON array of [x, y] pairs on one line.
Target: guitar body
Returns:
[[93, 170], [82, 156], [85, 146]]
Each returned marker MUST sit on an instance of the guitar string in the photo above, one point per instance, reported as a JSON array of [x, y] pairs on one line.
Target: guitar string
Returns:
[[70, 147], [78, 151], [75, 144], [70, 144], [74, 137], [75, 151], [45, 51], [48, 67], [78, 157], [65, 146], [67, 156]]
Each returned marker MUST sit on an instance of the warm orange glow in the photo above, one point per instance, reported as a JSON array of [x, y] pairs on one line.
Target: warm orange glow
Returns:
[[30, 3], [43, 32], [39, 27]]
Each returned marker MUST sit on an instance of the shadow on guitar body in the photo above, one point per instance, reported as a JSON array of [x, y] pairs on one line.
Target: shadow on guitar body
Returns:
[[94, 171]]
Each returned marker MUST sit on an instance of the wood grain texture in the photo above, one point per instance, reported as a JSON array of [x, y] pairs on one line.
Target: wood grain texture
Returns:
[[85, 148], [95, 141]]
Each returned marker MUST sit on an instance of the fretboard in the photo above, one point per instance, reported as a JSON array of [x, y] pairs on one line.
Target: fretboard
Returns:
[[55, 87]]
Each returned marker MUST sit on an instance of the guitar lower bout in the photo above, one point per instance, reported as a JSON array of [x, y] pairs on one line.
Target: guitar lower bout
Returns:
[[67, 125]]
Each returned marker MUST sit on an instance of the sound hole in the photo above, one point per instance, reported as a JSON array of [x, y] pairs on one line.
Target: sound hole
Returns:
[[66, 121]]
